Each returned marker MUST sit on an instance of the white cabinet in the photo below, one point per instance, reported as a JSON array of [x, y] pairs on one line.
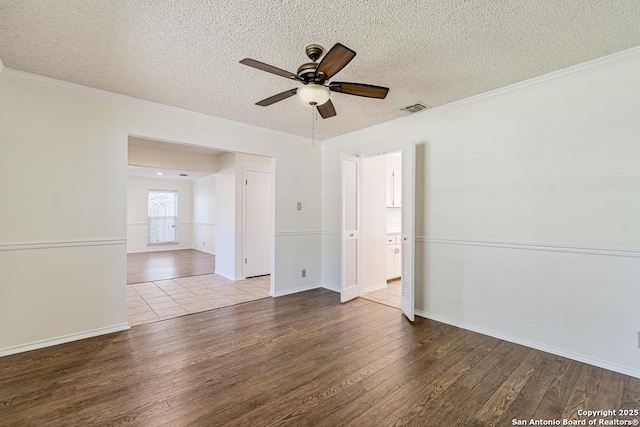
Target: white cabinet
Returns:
[[394, 188], [394, 256]]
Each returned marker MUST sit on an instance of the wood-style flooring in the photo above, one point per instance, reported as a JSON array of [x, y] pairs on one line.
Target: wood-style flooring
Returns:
[[163, 265], [300, 360]]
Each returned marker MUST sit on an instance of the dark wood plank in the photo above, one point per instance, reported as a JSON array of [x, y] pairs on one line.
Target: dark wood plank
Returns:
[[298, 360], [584, 391], [534, 391], [631, 394], [493, 410], [557, 395], [483, 386]]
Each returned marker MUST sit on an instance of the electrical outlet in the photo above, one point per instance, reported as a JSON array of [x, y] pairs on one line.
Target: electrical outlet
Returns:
[[299, 206], [204, 243], [304, 272]]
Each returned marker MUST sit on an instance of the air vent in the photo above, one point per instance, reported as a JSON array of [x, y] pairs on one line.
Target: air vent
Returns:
[[416, 107], [183, 174]]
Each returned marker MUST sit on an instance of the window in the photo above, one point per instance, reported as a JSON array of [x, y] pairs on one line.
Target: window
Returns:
[[163, 217]]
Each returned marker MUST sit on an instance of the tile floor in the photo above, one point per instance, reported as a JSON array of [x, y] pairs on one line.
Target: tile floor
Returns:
[[389, 296], [165, 299]]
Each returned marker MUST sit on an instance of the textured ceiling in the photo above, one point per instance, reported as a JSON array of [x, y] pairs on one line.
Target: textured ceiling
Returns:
[[185, 53]]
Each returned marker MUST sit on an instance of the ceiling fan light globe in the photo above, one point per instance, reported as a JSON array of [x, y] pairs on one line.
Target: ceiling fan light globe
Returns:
[[314, 94]]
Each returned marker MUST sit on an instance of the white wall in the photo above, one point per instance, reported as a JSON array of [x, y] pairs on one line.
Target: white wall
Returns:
[[204, 209], [137, 213], [144, 155], [244, 162], [528, 202], [229, 214], [65, 146], [225, 216], [373, 236]]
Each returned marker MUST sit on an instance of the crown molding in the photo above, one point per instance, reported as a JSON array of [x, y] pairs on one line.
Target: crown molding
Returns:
[[552, 77], [49, 82]]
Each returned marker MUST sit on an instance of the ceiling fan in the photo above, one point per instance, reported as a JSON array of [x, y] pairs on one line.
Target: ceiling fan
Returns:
[[316, 88]]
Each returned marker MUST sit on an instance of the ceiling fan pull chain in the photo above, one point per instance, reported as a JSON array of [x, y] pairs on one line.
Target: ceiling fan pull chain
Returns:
[[313, 126]]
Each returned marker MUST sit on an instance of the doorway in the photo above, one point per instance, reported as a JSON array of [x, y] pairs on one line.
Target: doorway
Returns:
[[201, 265], [257, 222], [378, 231]]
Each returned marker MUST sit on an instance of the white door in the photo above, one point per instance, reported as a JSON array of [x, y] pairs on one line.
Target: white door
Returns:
[[408, 230], [350, 227], [257, 220]]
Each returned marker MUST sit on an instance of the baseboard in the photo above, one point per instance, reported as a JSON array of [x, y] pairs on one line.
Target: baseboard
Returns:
[[375, 288], [333, 288], [63, 339], [227, 276], [535, 345], [203, 251], [296, 290]]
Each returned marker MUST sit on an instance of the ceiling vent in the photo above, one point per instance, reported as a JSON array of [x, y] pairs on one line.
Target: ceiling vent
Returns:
[[416, 107]]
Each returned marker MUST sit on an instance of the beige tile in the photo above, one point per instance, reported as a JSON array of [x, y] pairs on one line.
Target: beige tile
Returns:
[[218, 300], [219, 303], [158, 300], [218, 285], [165, 282], [197, 307], [167, 288], [208, 293], [136, 303], [144, 285], [151, 293], [373, 297], [186, 299], [138, 310], [170, 312], [177, 291], [139, 319], [259, 294], [164, 305], [185, 280], [195, 285], [243, 298]]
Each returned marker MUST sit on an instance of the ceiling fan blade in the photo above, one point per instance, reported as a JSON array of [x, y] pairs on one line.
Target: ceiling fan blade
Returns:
[[268, 68], [359, 89], [334, 61], [326, 110], [275, 98]]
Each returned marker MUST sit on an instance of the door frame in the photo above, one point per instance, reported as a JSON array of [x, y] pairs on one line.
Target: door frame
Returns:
[[244, 217], [365, 155]]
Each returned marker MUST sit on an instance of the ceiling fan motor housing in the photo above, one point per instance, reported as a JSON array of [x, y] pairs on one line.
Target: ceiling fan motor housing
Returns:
[[307, 71]]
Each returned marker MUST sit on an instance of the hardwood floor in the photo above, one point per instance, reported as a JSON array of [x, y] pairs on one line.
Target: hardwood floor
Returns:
[[163, 265], [302, 359]]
